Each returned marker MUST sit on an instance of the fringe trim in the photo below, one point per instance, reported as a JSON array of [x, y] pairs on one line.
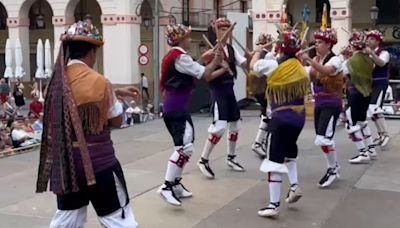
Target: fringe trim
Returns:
[[287, 92], [92, 121], [94, 115], [332, 84]]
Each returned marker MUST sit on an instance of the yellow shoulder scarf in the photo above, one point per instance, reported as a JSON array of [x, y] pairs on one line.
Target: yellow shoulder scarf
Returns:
[[93, 96], [288, 82]]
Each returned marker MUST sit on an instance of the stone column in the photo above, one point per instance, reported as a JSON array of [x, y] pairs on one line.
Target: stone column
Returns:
[[266, 13], [60, 24], [341, 21], [122, 38], [18, 28]]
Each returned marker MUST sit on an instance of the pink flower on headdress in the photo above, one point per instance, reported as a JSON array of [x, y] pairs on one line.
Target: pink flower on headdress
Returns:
[[358, 40], [376, 35]]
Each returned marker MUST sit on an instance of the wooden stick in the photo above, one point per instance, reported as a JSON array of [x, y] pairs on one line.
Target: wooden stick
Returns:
[[345, 30], [305, 50], [295, 25], [305, 34], [213, 47], [226, 34], [269, 43], [208, 42]]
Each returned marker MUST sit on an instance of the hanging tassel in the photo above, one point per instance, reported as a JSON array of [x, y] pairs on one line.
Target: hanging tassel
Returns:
[[123, 213]]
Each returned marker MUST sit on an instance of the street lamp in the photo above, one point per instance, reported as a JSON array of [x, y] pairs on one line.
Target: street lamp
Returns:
[[147, 22], [374, 12], [40, 22]]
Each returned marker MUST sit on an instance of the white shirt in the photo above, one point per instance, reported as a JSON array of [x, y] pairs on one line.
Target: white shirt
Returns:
[[238, 57], [269, 55], [185, 65], [145, 83], [345, 68], [115, 110], [384, 55], [265, 67], [335, 61], [75, 61], [18, 134]]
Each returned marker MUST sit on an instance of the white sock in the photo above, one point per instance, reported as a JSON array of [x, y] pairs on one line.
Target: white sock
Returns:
[[382, 124], [378, 127], [331, 157], [261, 134], [209, 146], [368, 142], [292, 174], [366, 131], [173, 171], [275, 181], [262, 131], [360, 143], [232, 139]]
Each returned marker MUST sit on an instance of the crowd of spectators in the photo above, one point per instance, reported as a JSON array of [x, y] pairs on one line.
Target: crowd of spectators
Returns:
[[16, 129]]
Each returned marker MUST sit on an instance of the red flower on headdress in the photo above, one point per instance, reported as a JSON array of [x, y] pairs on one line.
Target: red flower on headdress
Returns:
[[328, 35], [289, 41]]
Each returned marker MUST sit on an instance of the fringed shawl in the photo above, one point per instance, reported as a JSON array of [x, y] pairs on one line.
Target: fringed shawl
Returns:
[[92, 95], [256, 84], [288, 82], [333, 84], [360, 67]]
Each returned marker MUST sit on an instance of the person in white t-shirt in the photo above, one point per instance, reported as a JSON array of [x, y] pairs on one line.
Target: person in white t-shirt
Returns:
[[20, 136], [145, 85]]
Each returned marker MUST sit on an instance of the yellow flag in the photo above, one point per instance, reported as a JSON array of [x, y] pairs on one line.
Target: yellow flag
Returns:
[[324, 20], [303, 28]]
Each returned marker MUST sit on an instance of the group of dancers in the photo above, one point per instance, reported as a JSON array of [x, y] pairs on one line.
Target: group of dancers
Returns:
[[78, 158], [284, 72]]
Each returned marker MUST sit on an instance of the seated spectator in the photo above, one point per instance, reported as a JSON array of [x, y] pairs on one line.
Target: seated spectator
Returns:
[[5, 139], [9, 108], [27, 126], [21, 138], [38, 124], [125, 106], [133, 113], [35, 108], [4, 90]]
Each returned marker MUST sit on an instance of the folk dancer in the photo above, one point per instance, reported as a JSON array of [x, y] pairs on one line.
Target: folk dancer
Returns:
[[380, 83], [177, 82], [258, 88], [359, 68], [77, 152], [288, 84], [327, 79], [226, 111]]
